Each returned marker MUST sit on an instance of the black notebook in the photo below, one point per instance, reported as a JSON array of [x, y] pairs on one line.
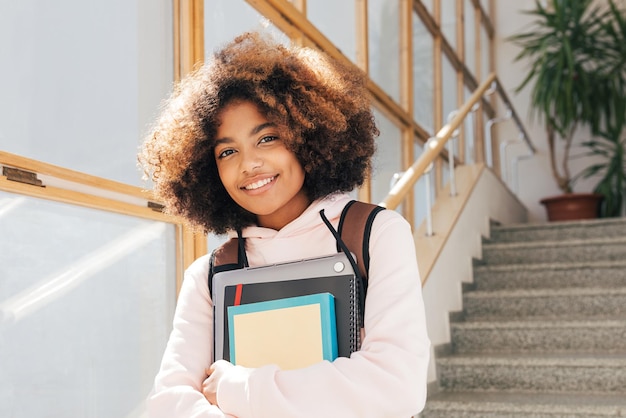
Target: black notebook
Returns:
[[332, 274]]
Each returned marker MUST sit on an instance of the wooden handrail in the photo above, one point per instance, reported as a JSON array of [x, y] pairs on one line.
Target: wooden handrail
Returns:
[[433, 147]]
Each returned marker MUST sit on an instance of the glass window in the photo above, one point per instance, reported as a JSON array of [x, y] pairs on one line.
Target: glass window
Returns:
[[448, 21], [428, 4], [81, 89], [470, 36], [384, 45], [225, 19], [449, 91], [488, 147], [485, 5], [485, 55], [339, 26], [419, 192], [468, 127], [423, 86], [387, 160], [86, 303], [445, 173]]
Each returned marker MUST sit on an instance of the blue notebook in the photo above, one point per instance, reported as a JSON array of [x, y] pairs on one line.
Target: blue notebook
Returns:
[[293, 332]]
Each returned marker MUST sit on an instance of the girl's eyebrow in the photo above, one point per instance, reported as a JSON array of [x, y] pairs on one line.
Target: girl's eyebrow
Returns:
[[253, 131], [262, 126]]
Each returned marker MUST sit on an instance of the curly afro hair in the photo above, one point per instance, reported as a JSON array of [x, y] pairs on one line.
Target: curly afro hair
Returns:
[[322, 105]]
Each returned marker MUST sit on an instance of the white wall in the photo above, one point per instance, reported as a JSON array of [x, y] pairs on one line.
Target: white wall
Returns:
[[535, 177], [489, 200]]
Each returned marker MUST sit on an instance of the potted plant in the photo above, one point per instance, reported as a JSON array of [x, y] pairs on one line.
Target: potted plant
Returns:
[[569, 47], [609, 145]]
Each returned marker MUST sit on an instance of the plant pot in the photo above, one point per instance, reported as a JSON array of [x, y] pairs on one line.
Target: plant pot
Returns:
[[572, 206]]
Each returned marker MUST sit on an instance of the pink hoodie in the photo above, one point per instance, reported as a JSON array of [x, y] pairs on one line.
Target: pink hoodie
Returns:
[[385, 378]]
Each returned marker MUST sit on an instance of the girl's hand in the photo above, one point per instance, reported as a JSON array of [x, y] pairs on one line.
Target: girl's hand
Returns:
[[215, 374]]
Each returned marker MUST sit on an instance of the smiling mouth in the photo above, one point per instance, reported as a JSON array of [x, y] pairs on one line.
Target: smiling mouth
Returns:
[[259, 184]]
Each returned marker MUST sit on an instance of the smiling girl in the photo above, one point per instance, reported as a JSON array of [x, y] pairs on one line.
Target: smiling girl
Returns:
[[260, 140]]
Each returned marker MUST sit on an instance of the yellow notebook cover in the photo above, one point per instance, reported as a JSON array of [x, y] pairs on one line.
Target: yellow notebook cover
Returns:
[[292, 332]]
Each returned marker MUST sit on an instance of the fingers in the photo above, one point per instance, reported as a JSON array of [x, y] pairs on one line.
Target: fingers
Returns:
[[209, 389], [214, 374]]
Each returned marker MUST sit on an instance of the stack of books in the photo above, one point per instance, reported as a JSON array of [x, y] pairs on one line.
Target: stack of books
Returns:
[[291, 314]]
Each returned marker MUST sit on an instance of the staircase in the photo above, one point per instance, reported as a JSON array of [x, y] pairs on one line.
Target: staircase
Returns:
[[543, 327]]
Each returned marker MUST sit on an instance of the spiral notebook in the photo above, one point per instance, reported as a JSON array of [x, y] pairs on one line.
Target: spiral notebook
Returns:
[[330, 274]]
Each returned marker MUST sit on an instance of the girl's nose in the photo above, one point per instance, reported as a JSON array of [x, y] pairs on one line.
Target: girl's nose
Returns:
[[251, 162]]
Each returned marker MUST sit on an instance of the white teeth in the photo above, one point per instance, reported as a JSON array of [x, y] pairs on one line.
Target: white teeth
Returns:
[[258, 184]]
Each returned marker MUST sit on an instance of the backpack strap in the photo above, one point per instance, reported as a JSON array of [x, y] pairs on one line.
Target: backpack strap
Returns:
[[355, 227], [355, 217], [231, 255]]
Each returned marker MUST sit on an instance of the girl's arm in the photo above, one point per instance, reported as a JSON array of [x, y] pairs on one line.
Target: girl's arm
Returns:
[[177, 387], [387, 377]]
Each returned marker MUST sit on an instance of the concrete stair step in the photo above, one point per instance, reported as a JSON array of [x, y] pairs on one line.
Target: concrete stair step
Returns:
[[480, 404], [605, 274], [552, 303], [555, 231], [555, 373], [538, 336], [543, 327], [588, 250]]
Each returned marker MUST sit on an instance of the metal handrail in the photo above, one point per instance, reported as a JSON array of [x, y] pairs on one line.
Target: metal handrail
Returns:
[[404, 183], [516, 118]]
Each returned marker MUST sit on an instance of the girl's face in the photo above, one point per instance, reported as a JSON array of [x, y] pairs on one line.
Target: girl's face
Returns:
[[259, 173]]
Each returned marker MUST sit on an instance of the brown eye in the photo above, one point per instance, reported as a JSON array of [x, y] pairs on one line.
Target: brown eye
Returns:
[[225, 153], [267, 139]]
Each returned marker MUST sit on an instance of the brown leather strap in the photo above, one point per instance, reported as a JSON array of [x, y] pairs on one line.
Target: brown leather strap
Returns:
[[354, 228], [227, 253]]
